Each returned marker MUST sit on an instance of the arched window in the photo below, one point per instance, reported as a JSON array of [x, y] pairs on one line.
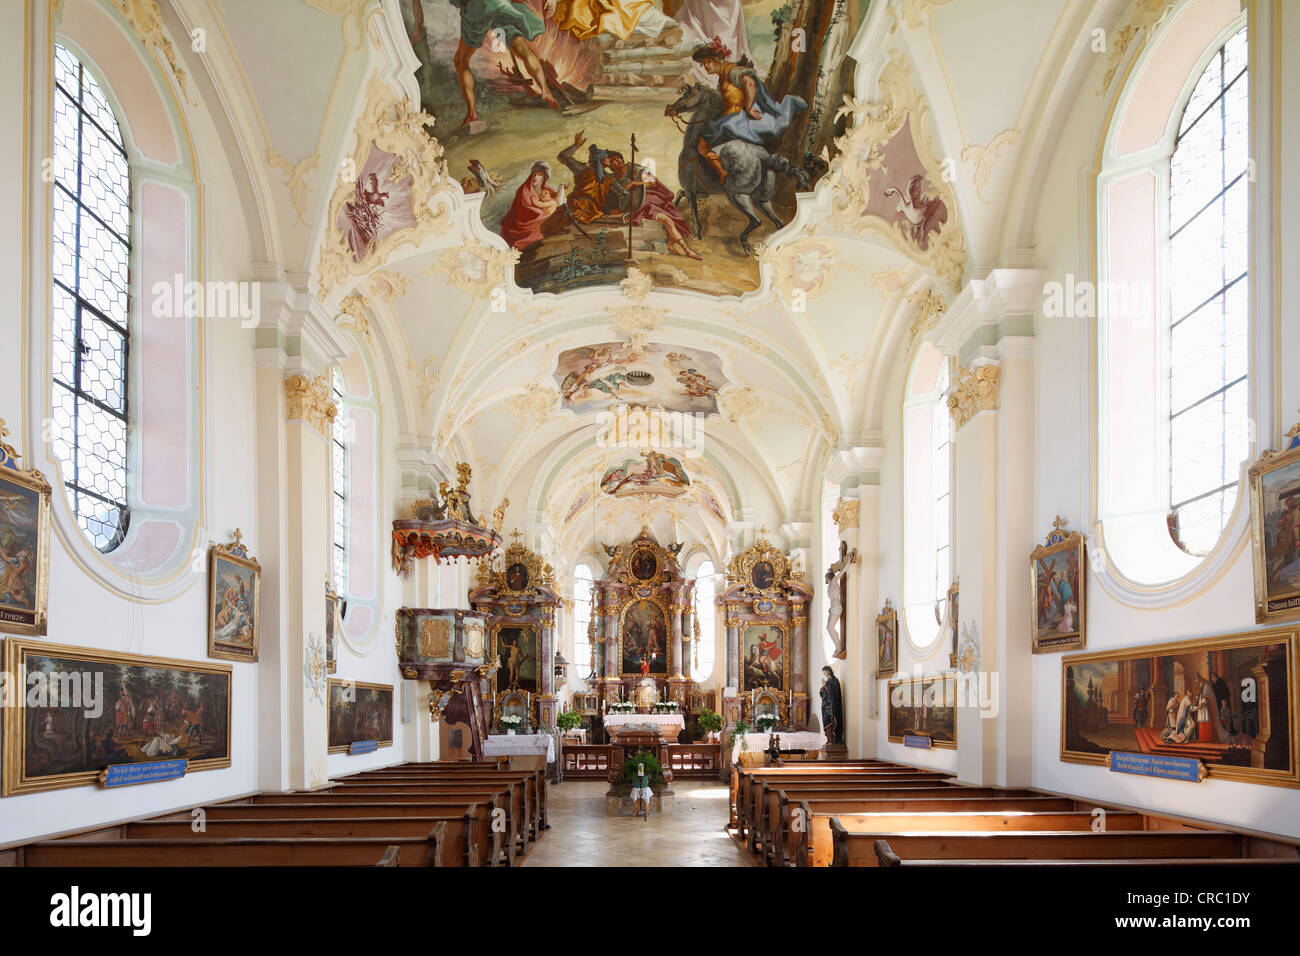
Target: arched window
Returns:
[[1173, 323], [339, 440], [90, 297], [705, 591], [582, 663], [1209, 402], [927, 495]]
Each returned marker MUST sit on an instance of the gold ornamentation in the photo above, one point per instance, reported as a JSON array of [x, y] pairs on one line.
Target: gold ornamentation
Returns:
[[394, 126], [637, 285], [475, 632], [773, 570], [741, 401], [537, 401], [435, 638], [984, 157], [309, 401], [845, 514], [146, 20], [295, 179], [632, 319], [7, 453], [806, 265], [975, 391], [518, 574], [859, 157], [1144, 17], [475, 267], [929, 307]]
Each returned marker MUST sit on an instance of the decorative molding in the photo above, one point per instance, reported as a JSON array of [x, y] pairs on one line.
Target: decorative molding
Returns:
[[353, 307], [975, 391], [807, 264], [872, 125], [929, 308], [309, 401], [295, 179], [146, 20], [1144, 16], [917, 14], [983, 157], [475, 267], [845, 514], [538, 401], [637, 285], [398, 127], [741, 401], [636, 319]]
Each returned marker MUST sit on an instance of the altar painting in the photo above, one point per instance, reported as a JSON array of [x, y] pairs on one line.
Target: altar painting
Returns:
[[644, 639]]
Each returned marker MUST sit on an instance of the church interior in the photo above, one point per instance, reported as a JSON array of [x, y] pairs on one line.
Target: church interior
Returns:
[[746, 433]]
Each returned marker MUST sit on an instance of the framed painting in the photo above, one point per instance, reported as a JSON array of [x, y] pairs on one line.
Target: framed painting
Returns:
[[765, 657], [926, 707], [643, 636], [887, 641], [332, 624], [517, 576], [358, 712], [953, 624], [24, 546], [1275, 532], [234, 601], [645, 565], [516, 648], [1056, 588], [1227, 701], [85, 710]]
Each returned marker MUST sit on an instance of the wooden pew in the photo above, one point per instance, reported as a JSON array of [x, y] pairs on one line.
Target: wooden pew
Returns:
[[502, 845], [765, 813], [536, 779], [752, 811], [533, 781], [745, 780], [521, 810], [423, 850], [468, 838], [740, 777], [854, 844], [810, 845]]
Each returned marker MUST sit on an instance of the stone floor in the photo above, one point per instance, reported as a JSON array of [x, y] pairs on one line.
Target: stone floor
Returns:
[[581, 834]]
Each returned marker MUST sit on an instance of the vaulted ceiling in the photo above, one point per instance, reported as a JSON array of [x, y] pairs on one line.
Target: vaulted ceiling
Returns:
[[807, 357]]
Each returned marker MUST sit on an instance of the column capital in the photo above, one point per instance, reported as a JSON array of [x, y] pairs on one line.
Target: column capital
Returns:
[[295, 332], [308, 400], [974, 391]]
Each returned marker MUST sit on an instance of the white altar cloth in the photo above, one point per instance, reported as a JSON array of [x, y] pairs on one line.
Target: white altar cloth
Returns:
[[503, 745], [670, 725], [790, 740]]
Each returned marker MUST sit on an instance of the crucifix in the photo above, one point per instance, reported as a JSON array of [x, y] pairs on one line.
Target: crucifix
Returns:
[[837, 593]]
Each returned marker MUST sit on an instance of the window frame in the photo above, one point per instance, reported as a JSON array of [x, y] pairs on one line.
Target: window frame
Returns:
[[73, 487], [340, 501], [580, 624], [708, 632]]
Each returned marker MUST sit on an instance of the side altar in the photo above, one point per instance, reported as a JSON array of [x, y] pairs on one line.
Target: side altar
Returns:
[[765, 609]]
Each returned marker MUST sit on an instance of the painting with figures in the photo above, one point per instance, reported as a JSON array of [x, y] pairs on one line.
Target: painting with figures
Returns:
[[1275, 529], [654, 473], [644, 641], [93, 709], [924, 706], [518, 655], [763, 658], [598, 377], [359, 712], [1227, 701], [668, 135], [1057, 588], [24, 551], [234, 596]]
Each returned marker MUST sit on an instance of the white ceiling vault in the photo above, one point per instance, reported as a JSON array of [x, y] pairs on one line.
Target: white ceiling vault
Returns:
[[305, 85]]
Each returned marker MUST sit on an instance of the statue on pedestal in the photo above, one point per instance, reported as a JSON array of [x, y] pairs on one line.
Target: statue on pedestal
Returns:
[[832, 708]]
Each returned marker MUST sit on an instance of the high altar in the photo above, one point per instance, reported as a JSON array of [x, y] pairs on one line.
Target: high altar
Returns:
[[641, 625], [766, 615]]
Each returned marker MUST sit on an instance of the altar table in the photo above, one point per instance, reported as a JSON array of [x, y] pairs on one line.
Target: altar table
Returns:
[[790, 740], [670, 725], [530, 745]]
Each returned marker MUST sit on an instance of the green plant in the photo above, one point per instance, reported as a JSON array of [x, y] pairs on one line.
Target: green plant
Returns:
[[569, 720], [653, 769], [740, 730], [708, 721]]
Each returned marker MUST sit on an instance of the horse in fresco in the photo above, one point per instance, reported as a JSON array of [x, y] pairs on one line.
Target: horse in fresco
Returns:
[[751, 169]]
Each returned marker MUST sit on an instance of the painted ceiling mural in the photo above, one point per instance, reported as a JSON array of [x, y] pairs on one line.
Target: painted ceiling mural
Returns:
[[597, 377], [704, 117], [653, 473]]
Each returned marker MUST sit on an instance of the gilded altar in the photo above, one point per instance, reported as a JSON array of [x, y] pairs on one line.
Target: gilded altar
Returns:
[[765, 609]]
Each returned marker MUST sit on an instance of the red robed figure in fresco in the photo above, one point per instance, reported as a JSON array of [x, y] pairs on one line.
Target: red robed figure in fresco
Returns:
[[534, 202]]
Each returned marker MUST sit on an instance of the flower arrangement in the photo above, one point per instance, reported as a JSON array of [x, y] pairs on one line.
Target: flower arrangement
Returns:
[[666, 707], [510, 721], [765, 723], [622, 707]]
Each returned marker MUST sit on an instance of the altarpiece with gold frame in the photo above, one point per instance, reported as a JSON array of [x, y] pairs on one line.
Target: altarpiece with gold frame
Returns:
[[765, 608]]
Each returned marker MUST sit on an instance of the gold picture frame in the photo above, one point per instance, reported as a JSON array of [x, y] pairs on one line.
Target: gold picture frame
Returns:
[[24, 546], [658, 669], [887, 641], [332, 626], [513, 698], [1274, 483], [758, 696], [952, 622], [762, 570], [136, 706], [234, 616], [745, 684], [1057, 596], [343, 714], [941, 718], [1249, 689]]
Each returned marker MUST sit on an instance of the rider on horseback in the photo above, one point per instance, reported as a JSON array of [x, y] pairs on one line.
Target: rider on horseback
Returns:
[[749, 112]]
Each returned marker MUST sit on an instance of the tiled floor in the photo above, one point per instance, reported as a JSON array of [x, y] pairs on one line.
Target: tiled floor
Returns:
[[691, 835]]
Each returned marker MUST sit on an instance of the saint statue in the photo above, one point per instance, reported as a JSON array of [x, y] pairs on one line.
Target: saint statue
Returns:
[[832, 708], [837, 598]]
